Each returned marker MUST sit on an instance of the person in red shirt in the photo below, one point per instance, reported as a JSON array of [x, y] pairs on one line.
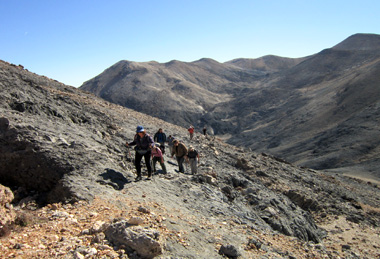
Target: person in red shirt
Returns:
[[191, 131]]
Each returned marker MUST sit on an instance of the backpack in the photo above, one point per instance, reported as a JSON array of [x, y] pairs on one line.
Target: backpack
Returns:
[[192, 154]]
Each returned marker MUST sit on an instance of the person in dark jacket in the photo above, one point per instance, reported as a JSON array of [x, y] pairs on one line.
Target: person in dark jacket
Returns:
[[160, 137], [143, 142], [180, 151]]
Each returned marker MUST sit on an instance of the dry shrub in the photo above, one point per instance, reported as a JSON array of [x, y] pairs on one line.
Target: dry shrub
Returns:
[[5, 231], [24, 219]]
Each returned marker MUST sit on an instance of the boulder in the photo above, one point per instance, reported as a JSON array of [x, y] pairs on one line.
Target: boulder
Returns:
[[144, 241], [7, 214]]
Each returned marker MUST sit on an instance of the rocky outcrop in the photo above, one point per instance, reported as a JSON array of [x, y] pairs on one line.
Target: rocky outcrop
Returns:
[[7, 213], [46, 130]]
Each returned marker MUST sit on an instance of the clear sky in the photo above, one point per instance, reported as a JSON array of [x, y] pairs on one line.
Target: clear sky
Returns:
[[74, 41]]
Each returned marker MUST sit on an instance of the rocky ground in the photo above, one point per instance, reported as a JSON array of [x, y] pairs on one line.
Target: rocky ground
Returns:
[[67, 231], [63, 157]]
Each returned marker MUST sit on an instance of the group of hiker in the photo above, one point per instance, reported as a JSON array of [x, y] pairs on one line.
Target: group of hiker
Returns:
[[153, 149]]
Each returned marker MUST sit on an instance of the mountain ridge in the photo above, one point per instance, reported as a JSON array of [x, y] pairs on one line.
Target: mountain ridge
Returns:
[[270, 63]]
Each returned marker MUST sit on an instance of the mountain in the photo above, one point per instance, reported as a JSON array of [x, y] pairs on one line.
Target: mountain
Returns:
[[67, 188], [175, 91], [320, 111]]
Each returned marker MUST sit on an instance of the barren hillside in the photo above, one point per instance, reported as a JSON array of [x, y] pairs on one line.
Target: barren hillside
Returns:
[[70, 189]]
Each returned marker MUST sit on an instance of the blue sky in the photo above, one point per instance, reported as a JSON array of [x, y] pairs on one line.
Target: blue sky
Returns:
[[74, 41]]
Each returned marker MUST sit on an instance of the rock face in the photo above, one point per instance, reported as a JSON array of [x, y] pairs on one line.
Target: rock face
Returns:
[[46, 132], [320, 111], [60, 144]]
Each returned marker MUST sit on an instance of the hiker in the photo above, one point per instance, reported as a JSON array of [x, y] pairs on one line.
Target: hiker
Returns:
[[191, 131], [158, 156], [192, 156], [143, 141], [204, 130], [160, 137], [170, 140], [180, 151]]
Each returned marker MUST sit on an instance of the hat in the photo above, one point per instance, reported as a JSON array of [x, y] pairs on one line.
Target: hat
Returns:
[[139, 129], [191, 147]]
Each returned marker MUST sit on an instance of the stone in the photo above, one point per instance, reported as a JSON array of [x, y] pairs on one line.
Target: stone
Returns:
[[136, 221], [229, 251], [144, 241]]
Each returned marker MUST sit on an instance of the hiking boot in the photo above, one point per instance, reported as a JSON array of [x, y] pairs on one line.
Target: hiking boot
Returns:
[[148, 178], [138, 178]]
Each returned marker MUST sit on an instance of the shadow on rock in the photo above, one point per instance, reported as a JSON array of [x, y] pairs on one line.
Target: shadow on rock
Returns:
[[113, 178]]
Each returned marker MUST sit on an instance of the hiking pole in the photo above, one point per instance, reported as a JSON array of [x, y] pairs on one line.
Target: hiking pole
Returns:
[[186, 166], [129, 155], [151, 166]]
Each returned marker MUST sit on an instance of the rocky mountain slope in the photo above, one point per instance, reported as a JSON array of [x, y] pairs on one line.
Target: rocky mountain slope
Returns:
[[63, 157], [176, 91], [320, 111]]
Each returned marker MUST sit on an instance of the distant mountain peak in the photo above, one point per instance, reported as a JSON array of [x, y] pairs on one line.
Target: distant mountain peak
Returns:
[[360, 41], [174, 61], [206, 60]]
